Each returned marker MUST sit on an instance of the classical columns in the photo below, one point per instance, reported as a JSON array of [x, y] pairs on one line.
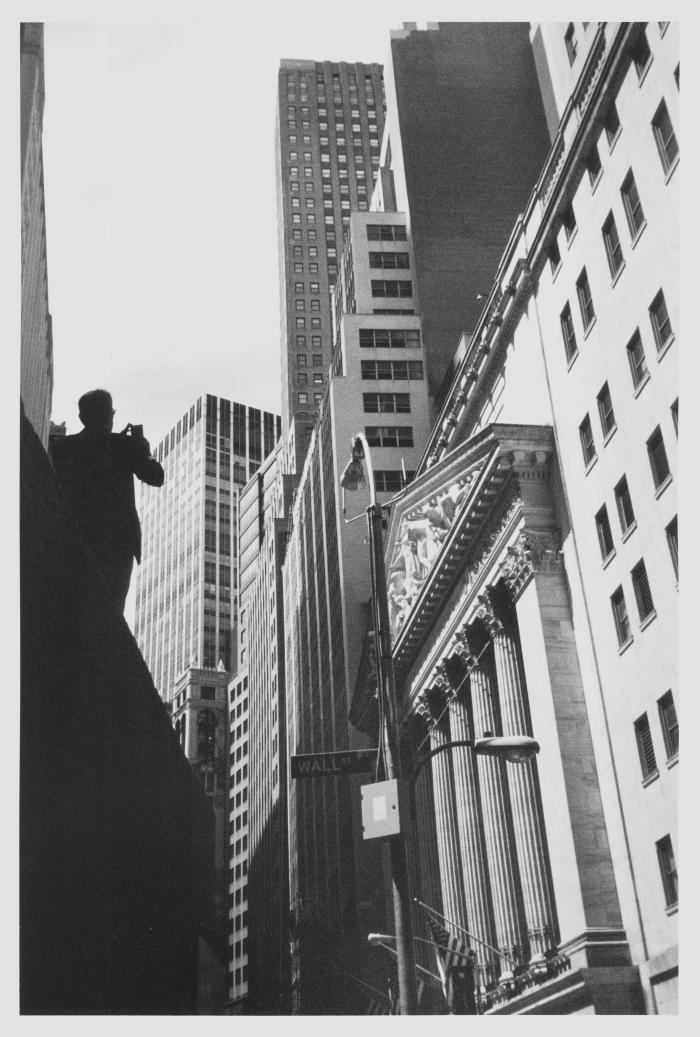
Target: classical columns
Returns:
[[500, 853], [430, 707], [527, 824], [471, 837]]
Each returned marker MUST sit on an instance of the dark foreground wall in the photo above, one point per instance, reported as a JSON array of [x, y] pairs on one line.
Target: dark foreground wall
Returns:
[[116, 837]]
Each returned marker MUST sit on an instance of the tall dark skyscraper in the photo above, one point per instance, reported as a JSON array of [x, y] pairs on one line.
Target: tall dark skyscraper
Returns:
[[330, 122]]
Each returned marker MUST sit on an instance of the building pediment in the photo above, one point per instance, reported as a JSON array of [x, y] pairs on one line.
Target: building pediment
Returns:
[[444, 525]]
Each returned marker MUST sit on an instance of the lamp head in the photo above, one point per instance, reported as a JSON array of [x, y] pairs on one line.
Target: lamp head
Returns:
[[353, 478], [376, 939], [515, 748]]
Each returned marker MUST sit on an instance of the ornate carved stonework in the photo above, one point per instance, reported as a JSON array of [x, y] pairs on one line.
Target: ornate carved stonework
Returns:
[[421, 535], [485, 612], [532, 552], [423, 710]]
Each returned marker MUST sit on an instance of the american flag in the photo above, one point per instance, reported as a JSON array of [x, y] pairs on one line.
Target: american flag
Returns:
[[453, 959]]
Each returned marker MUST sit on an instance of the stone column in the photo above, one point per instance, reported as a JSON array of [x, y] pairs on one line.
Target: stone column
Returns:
[[495, 808], [471, 837], [453, 899], [530, 841]]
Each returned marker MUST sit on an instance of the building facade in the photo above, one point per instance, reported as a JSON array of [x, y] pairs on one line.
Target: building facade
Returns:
[[258, 749], [187, 582], [544, 517], [465, 139], [36, 357], [377, 387], [330, 121]]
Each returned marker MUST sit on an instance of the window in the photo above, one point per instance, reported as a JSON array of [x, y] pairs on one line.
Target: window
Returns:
[[585, 300], [625, 510], [641, 55], [386, 338], [390, 481], [613, 248], [669, 723], [568, 334], [302, 378], [642, 591], [299, 304], [385, 232], [587, 443], [657, 458], [665, 137], [605, 539], [593, 165], [316, 358], [645, 746], [612, 125], [660, 322], [301, 359], [392, 369], [389, 435], [392, 289], [622, 623], [605, 410], [388, 260], [570, 43], [314, 287], [299, 287], [632, 204], [672, 541], [674, 415], [303, 397], [386, 402], [318, 379], [669, 872], [637, 360], [569, 222]]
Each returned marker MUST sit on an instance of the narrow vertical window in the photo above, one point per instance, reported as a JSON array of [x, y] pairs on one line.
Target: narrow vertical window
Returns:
[[669, 724], [613, 248], [605, 539], [587, 441], [568, 334], [612, 125], [632, 204], [665, 137], [625, 510], [645, 746], [637, 360], [622, 622], [585, 300], [554, 257], [669, 872], [605, 410], [642, 591], [658, 460], [593, 165], [672, 541], [641, 55], [660, 321], [571, 43], [569, 222]]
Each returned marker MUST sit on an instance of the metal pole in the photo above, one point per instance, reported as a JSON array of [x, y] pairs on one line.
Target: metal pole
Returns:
[[408, 1000]]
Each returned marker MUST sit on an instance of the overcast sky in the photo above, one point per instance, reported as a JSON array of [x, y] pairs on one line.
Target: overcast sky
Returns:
[[161, 208]]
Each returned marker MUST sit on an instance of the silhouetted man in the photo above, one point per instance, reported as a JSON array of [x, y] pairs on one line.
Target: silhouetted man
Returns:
[[96, 471]]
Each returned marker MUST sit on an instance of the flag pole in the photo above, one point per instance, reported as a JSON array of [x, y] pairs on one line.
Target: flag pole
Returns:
[[466, 932]]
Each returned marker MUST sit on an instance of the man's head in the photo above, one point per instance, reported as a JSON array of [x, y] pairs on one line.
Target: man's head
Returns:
[[95, 410]]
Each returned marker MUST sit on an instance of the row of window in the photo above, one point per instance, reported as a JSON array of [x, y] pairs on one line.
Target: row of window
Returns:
[[389, 338], [389, 435], [658, 318], [669, 729], [386, 232], [386, 402], [303, 397], [388, 260], [388, 481], [392, 370], [392, 289], [645, 604], [316, 358]]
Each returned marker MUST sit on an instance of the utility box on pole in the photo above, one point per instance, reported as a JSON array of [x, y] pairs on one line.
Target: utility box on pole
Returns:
[[383, 805]]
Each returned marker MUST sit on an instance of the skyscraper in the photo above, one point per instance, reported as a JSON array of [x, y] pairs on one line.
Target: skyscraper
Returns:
[[330, 121], [465, 139], [187, 583]]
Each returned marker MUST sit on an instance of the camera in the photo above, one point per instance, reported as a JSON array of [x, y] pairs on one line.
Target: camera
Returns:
[[136, 431]]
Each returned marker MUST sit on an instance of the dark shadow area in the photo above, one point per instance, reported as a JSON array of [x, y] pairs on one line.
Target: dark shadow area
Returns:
[[116, 837]]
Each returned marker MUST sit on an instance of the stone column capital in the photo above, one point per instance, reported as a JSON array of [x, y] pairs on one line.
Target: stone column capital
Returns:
[[531, 553], [486, 612]]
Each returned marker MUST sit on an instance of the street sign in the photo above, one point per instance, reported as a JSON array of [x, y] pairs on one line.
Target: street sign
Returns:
[[324, 765]]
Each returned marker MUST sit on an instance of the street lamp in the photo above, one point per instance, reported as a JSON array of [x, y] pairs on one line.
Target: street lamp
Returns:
[[353, 478]]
